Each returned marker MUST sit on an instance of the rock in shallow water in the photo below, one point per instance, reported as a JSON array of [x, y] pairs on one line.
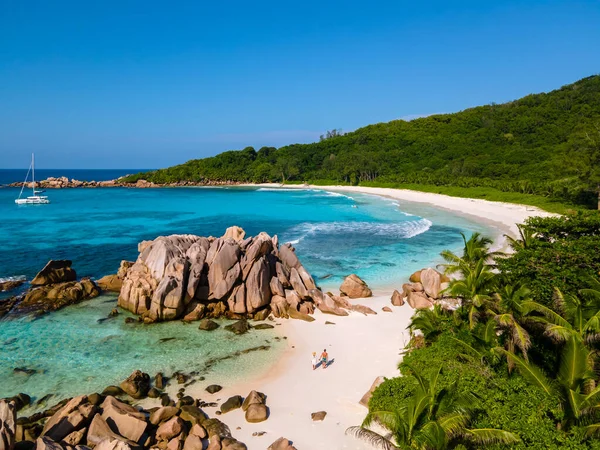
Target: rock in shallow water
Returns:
[[208, 325], [239, 327]]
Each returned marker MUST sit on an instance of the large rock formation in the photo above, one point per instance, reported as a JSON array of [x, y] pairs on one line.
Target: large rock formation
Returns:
[[192, 277], [427, 288]]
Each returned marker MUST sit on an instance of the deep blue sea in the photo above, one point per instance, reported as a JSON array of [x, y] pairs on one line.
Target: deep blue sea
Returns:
[[381, 240]]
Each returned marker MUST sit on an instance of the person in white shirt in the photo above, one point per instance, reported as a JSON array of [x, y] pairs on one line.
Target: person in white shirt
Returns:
[[315, 361]]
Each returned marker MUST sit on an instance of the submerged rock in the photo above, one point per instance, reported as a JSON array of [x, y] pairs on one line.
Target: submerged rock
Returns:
[[208, 325], [239, 327]]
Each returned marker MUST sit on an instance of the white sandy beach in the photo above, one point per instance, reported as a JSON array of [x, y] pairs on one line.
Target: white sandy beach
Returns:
[[363, 348]]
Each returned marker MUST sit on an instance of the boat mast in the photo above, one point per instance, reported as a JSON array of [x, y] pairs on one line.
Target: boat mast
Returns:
[[33, 172]]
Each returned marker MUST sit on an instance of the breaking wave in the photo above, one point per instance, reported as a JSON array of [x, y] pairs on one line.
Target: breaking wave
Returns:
[[397, 230], [276, 189], [15, 278]]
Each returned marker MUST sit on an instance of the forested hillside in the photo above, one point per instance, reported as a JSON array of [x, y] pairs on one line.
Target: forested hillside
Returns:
[[545, 144]]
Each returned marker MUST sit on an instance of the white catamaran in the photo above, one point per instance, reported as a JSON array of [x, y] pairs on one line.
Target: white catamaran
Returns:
[[34, 199]]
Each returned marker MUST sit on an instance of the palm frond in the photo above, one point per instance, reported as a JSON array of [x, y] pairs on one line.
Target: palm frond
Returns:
[[574, 366], [485, 436], [592, 430], [454, 423], [550, 315], [371, 437], [530, 372]]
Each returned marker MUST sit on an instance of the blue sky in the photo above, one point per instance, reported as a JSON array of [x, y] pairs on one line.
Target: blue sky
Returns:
[[129, 84]]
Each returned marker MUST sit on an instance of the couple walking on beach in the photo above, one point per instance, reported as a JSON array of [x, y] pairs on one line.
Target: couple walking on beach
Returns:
[[323, 358]]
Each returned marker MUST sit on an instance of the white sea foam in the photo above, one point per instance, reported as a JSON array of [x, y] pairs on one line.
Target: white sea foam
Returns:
[[398, 230], [331, 194], [264, 189], [15, 278]]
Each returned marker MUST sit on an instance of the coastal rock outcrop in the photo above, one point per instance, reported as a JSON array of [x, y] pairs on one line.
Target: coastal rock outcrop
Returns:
[[427, 287], [53, 288], [137, 384], [354, 287], [114, 282], [9, 285], [55, 271], [193, 277], [51, 297], [8, 420], [365, 398]]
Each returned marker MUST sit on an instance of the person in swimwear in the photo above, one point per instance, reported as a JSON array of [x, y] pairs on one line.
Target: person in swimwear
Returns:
[[324, 357]]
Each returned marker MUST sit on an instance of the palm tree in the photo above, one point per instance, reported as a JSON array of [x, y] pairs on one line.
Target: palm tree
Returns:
[[509, 317], [571, 315], [428, 321], [431, 418], [475, 249], [475, 290], [525, 240], [485, 341], [574, 384]]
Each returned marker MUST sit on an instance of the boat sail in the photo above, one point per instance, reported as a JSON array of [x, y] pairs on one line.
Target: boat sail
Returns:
[[34, 199]]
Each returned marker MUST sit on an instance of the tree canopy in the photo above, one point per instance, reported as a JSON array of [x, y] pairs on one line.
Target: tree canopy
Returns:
[[546, 144]]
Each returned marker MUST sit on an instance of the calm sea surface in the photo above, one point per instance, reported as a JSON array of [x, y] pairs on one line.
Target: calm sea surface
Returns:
[[381, 240]]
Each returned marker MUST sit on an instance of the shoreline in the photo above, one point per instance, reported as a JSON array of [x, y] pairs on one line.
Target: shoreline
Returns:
[[503, 215], [363, 347]]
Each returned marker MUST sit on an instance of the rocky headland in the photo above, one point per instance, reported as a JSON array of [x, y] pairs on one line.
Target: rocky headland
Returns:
[[53, 288], [192, 277], [64, 183]]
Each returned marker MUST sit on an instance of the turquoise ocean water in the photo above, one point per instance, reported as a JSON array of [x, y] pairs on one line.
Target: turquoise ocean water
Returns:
[[381, 240]]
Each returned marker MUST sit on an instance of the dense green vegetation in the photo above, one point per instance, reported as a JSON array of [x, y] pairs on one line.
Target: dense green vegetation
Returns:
[[517, 364], [545, 145]]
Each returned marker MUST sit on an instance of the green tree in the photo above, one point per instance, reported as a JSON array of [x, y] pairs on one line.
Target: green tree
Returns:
[[431, 418]]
